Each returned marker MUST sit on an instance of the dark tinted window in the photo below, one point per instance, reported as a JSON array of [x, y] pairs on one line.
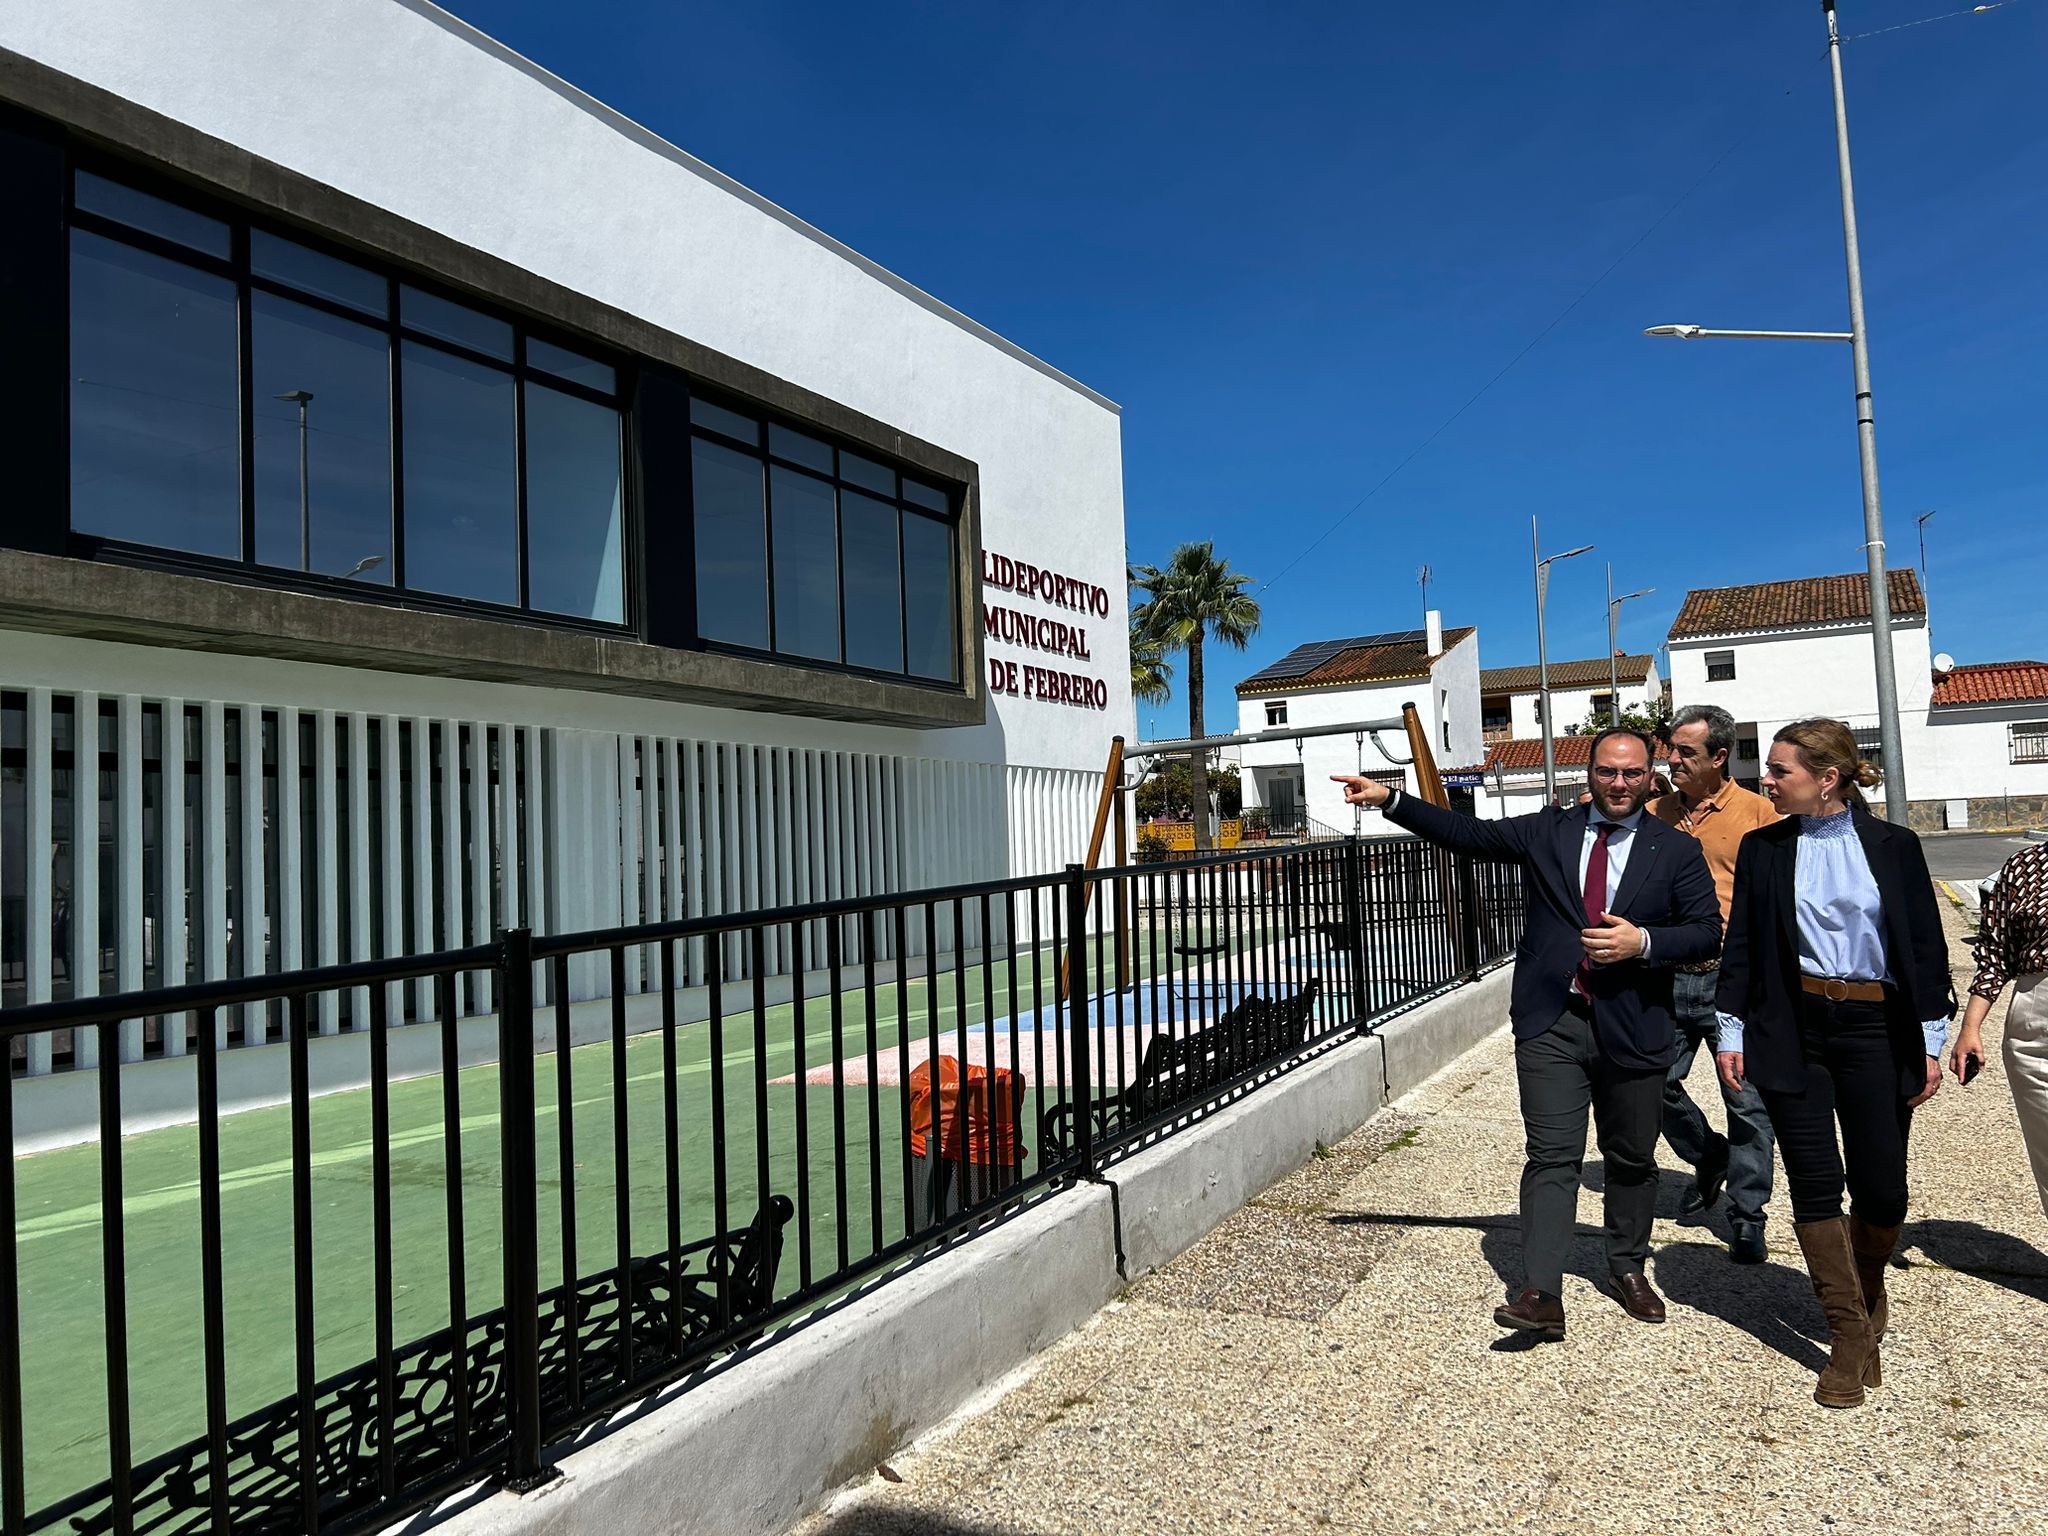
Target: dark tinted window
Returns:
[[461, 491], [806, 565], [346, 368], [574, 507], [719, 419], [799, 449], [310, 271], [874, 588], [153, 215], [926, 496], [436, 316], [867, 473], [573, 366], [928, 597], [732, 545], [155, 413]]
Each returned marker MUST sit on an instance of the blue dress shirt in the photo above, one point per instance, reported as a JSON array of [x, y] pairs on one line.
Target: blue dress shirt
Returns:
[[1840, 918]]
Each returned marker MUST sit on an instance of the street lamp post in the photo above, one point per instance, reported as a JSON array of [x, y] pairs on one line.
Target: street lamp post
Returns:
[[1542, 564], [1922, 521], [1613, 665], [302, 398], [1866, 444]]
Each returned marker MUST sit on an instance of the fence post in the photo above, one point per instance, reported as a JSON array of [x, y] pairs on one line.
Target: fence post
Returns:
[[1078, 1083], [518, 1159], [1354, 925], [1468, 916]]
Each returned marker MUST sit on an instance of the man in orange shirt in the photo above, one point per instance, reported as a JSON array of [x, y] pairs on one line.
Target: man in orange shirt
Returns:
[[1719, 812]]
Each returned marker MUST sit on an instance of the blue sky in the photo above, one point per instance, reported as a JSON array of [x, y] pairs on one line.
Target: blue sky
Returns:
[[1291, 240]]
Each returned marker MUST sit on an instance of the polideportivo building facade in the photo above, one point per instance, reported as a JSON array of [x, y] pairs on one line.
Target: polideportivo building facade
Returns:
[[438, 503]]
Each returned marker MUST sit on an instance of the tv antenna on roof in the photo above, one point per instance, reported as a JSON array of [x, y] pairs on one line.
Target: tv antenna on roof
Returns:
[[1422, 578]]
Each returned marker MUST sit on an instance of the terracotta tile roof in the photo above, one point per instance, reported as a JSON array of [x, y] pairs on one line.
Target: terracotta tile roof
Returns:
[[1564, 674], [1372, 659], [1524, 754], [1789, 604], [1993, 682]]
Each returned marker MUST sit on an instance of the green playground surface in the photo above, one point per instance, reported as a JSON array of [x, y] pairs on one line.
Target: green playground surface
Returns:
[[59, 1226]]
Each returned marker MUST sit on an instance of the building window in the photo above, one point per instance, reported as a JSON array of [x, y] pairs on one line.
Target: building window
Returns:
[[1870, 746], [810, 551], [243, 397], [2027, 741], [1603, 704], [1747, 749], [1276, 712], [1720, 666]]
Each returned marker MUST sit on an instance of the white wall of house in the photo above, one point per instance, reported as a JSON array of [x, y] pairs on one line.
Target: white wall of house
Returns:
[[1787, 675], [1970, 753], [1571, 706], [1449, 696]]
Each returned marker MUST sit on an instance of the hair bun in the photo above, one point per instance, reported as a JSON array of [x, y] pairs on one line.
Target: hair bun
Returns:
[[1867, 775]]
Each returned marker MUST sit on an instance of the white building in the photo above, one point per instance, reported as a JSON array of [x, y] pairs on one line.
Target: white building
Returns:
[[1511, 698], [1784, 650], [1987, 741], [1366, 677], [558, 532]]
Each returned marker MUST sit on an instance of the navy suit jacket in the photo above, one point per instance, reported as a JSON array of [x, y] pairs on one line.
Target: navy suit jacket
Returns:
[[1666, 890]]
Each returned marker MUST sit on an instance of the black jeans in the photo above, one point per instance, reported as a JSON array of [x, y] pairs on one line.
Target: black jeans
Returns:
[[1561, 1073], [1852, 1077]]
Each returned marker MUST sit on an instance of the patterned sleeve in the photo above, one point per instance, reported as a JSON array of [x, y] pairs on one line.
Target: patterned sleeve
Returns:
[[1989, 945]]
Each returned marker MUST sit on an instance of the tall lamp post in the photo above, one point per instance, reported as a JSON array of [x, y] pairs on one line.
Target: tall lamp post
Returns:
[[1543, 563], [302, 398], [1866, 444], [1614, 666], [1922, 521]]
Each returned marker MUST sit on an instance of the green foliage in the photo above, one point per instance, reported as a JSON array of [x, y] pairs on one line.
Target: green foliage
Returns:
[[1151, 672], [1647, 721], [1171, 792], [1152, 848]]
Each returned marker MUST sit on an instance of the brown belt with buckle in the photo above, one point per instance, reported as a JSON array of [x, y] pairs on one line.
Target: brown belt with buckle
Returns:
[[1843, 991]]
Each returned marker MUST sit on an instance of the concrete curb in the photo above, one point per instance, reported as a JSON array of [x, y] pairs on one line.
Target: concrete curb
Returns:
[[751, 1450]]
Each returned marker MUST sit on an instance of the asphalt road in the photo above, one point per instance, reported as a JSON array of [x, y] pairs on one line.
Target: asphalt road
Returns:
[[1969, 856]]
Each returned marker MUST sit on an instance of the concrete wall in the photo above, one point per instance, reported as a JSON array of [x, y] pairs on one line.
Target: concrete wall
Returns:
[[750, 1450]]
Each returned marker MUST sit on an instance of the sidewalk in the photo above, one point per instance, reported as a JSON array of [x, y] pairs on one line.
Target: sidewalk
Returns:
[[1326, 1361]]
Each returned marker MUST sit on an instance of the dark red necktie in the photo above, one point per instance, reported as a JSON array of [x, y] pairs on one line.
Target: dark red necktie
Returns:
[[1594, 898]]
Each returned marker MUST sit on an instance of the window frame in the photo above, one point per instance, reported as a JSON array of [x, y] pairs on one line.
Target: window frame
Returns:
[[1276, 713], [2020, 731], [766, 420], [238, 268], [1717, 659]]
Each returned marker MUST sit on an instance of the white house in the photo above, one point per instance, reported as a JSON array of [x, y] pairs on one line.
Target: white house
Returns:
[[1987, 735], [558, 532], [1365, 677], [1511, 698]]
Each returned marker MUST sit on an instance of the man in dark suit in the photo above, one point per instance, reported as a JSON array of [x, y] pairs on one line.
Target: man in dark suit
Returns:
[[1614, 899]]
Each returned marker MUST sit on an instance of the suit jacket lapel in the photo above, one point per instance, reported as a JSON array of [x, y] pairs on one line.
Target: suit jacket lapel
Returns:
[[1785, 885], [1641, 855], [1571, 838]]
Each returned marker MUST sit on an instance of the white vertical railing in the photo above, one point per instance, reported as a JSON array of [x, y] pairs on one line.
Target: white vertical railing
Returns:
[[38, 868], [83, 962], [326, 864]]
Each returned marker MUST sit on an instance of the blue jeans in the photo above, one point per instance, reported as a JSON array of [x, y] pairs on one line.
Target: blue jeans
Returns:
[[1748, 1142]]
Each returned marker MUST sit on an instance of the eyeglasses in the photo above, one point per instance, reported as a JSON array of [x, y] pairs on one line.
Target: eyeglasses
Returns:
[[1625, 775]]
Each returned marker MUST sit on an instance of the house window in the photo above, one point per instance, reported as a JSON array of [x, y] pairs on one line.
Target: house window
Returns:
[[810, 551], [244, 398], [1603, 704], [2027, 741], [1746, 748], [1720, 666], [1276, 712], [1870, 746]]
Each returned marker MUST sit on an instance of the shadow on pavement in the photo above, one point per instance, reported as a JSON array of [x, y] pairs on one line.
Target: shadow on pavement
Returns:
[[908, 1522], [1970, 1248], [1772, 1303]]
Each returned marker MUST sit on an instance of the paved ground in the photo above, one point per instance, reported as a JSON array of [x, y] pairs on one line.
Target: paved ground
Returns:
[[1970, 856], [1326, 1361]]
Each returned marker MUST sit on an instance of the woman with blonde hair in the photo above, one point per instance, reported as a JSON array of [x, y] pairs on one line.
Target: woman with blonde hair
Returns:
[[1834, 1001]]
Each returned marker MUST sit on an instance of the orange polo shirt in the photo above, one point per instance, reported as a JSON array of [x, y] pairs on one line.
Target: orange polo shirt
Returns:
[[1720, 822]]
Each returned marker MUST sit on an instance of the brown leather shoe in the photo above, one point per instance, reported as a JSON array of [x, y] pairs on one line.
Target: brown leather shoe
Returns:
[[1533, 1312], [1637, 1299]]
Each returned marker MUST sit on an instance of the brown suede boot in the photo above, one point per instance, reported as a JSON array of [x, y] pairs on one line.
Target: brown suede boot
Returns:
[[1873, 1247], [1831, 1264]]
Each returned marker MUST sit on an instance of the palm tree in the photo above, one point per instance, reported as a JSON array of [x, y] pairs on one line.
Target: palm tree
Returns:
[[1151, 672], [1195, 598]]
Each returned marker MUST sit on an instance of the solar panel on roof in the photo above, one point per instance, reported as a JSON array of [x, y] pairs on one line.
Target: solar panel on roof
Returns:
[[1304, 659]]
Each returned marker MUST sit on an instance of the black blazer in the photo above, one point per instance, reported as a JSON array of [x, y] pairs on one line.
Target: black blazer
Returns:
[[1666, 890], [1760, 966]]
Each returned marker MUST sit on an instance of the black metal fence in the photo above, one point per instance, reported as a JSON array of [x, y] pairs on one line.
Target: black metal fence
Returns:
[[384, 1292]]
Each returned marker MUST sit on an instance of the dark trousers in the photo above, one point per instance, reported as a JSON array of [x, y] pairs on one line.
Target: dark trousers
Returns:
[[1562, 1073], [1747, 1145], [1852, 1078]]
